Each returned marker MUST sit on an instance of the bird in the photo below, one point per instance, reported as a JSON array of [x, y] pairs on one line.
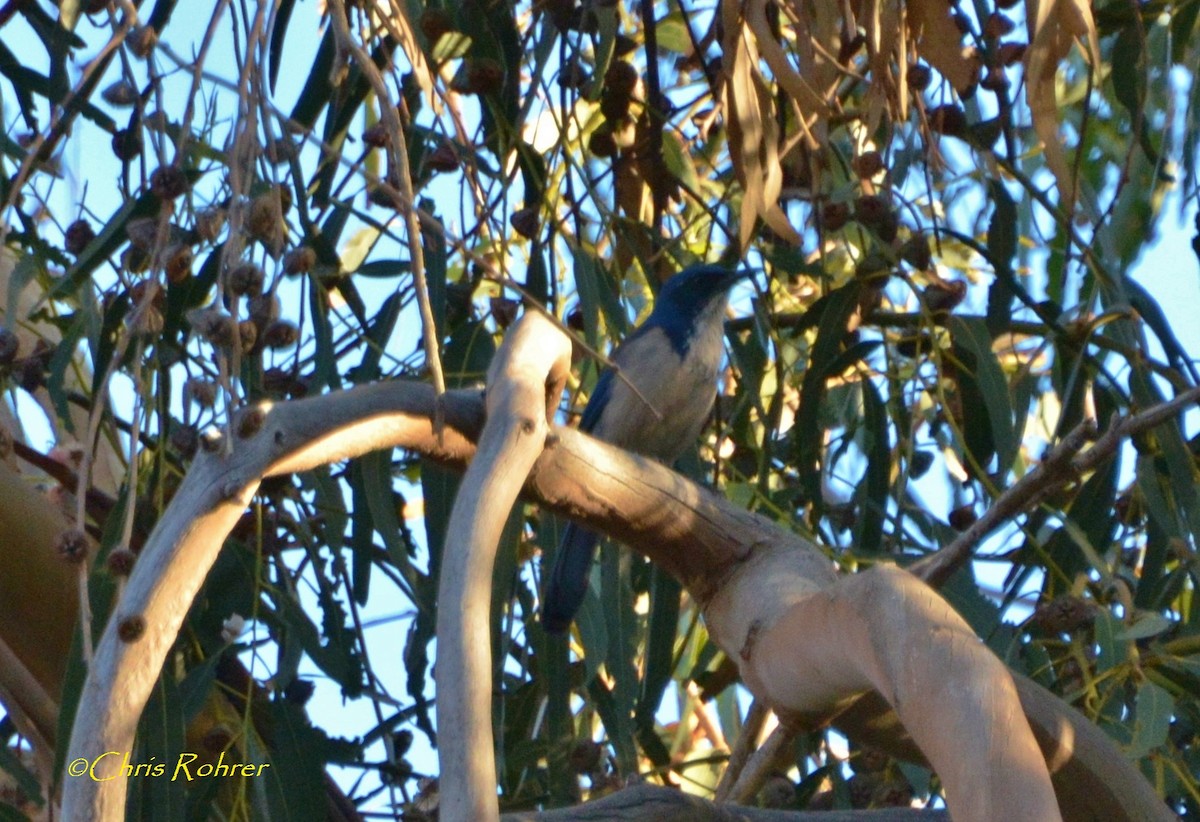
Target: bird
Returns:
[[672, 359]]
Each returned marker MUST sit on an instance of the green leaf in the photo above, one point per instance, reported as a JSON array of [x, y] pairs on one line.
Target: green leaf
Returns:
[[679, 162], [355, 251], [672, 34], [23, 779], [809, 432], [450, 46], [659, 657], [1002, 247], [1146, 625], [973, 346], [597, 293], [1111, 651], [105, 244], [376, 469], [1152, 719], [160, 741], [66, 356], [283, 16], [872, 494], [383, 269]]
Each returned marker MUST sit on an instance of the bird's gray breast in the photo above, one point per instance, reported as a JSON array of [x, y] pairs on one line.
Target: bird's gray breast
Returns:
[[674, 395]]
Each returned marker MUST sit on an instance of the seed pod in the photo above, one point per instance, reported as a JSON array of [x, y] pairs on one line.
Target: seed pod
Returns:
[[200, 391], [442, 159], [77, 236], [142, 40], [505, 311], [146, 322], [918, 77], [867, 164], [248, 335], [213, 326], [916, 253], [525, 222], [177, 263], [127, 143], [121, 94], [621, 78], [995, 80], [1064, 614], [484, 76], [873, 269], [573, 76], [1010, 54], [142, 233], [245, 279], [614, 105], [262, 221], [10, 344], [120, 562], [377, 136], [834, 216], [131, 628], [876, 213], [135, 260], [281, 382], [950, 120], [168, 182], [584, 757], [963, 517], [997, 25], [250, 422], [435, 23], [602, 143], [943, 297], [147, 292], [299, 260], [209, 223], [72, 546], [280, 334], [263, 309]]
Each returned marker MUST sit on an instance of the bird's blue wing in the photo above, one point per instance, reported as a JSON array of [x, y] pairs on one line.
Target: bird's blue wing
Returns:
[[568, 581], [599, 399]]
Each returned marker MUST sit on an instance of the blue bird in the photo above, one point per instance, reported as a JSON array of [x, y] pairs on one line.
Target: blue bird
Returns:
[[672, 358]]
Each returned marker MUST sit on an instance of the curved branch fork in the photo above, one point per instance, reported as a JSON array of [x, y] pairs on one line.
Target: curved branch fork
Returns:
[[524, 383], [806, 641], [885, 631], [293, 436]]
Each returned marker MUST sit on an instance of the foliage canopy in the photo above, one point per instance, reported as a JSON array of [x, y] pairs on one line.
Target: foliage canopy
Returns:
[[210, 206]]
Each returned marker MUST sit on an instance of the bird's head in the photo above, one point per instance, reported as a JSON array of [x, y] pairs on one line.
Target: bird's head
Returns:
[[690, 298], [692, 290]]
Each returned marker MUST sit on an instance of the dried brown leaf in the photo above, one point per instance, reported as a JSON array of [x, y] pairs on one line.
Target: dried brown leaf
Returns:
[[940, 42], [753, 135], [1053, 26]]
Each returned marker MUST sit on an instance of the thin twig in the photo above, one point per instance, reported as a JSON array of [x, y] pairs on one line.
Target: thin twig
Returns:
[[742, 749], [402, 196], [1062, 466], [44, 144], [760, 764]]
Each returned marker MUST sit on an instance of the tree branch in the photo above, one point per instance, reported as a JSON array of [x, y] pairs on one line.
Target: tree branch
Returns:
[[525, 380], [1059, 468]]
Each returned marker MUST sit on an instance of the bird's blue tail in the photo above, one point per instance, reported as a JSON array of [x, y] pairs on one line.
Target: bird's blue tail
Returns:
[[568, 581]]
